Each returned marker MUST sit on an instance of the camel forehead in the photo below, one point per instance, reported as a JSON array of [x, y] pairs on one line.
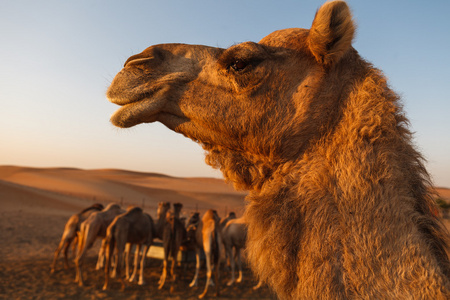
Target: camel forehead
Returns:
[[291, 38]]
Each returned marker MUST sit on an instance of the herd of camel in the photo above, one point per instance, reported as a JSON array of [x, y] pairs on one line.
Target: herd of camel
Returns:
[[121, 229]]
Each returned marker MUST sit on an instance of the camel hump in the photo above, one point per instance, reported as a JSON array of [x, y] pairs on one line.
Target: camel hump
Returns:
[[134, 210], [111, 206], [96, 206]]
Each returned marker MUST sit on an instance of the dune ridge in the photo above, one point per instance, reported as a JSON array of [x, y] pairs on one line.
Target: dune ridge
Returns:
[[71, 189]]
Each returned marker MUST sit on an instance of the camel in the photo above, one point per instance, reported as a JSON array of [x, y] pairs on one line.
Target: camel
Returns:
[[70, 233], [173, 236], [132, 227], [205, 234], [163, 207], [223, 222], [234, 235], [93, 227], [339, 203], [161, 213]]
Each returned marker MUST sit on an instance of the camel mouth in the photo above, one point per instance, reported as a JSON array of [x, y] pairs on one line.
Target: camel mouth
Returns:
[[136, 111], [147, 110]]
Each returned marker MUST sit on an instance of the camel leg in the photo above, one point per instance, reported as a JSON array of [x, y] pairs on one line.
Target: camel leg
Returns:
[[172, 270], [108, 254], [119, 266], [162, 280], [141, 269], [85, 243], [127, 261], [78, 264], [229, 251], [197, 268], [66, 250], [78, 261], [137, 252], [208, 273], [258, 285], [58, 250], [216, 273], [74, 246], [239, 261], [101, 256]]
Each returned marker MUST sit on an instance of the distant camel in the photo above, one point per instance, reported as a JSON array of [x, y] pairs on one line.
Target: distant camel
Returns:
[[163, 207], [205, 234], [223, 222], [135, 228], [339, 202], [173, 236], [94, 226], [70, 232], [234, 235]]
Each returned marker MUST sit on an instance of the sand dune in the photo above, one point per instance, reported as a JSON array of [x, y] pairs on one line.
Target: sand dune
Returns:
[[73, 189], [35, 204]]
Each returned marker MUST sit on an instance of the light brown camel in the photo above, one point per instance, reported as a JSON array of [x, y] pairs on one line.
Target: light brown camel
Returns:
[[163, 208], [173, 235], [205, 234], [134, 228], [223, 222], [339, 203], [93, 227], [234, 236], [70, 232]]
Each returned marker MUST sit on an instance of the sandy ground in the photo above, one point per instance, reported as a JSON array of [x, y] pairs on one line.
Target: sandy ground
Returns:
[[36, 203]]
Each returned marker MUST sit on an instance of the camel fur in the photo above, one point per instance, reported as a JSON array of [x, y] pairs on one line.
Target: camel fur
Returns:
[[205, 235], [173, 236], [93, 227], [71, 230], [339, 204], [234, 236], [223, 221], [163, 208], [133, 227]]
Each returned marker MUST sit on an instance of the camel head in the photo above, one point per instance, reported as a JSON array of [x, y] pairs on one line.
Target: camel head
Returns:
[[191, 227], [163, 207], [253, 106]]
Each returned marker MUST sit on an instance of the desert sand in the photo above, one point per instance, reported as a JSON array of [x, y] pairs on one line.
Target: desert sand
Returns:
[[35, 204]]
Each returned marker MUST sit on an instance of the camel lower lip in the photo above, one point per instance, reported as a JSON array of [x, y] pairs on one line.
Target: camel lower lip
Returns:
[[144, 111]]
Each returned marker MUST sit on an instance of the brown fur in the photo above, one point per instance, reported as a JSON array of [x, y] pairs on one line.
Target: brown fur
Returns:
[[93, 227], [161, 213], [223, 222], [133, 227], [339, 204], [205, 234], [173, 236], [234, 235], [70, 232]]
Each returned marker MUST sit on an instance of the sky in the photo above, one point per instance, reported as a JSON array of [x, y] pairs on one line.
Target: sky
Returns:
[[59, 57]]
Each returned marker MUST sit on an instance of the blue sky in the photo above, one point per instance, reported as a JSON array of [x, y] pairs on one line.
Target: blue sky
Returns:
[[59, 57]]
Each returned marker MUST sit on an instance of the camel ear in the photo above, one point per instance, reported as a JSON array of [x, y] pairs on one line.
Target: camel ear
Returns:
[[331, 32]]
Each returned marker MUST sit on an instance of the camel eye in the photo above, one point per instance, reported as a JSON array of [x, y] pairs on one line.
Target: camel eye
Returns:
[[239, 65]]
